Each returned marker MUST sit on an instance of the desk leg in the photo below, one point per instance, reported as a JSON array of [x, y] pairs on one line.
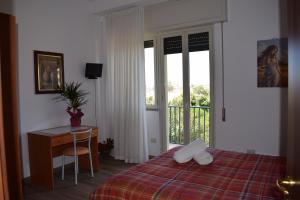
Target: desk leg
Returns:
[[84, 162], [40, 158]]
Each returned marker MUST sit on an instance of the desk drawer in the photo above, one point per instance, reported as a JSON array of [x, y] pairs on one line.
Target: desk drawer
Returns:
[[65, 139], [62, 139]]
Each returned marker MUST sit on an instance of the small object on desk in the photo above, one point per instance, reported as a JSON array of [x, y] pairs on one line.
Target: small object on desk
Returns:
[[44, 145]]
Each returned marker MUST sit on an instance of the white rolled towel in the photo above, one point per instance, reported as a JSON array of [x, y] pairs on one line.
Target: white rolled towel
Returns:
[[203, 158], [187, 152]]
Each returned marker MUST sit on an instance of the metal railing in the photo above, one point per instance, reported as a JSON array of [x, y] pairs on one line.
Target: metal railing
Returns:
[[199, 123]]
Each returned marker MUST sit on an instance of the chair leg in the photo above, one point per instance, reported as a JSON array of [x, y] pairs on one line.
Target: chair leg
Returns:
[[63, 168], [91, 164], [75, 170], [77, 165]]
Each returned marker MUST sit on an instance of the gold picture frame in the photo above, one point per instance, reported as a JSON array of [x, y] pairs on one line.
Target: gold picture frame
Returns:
[[49, 72]]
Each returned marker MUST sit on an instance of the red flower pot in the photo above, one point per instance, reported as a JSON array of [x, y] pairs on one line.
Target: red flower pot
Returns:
[[75, 121], [76, 115]]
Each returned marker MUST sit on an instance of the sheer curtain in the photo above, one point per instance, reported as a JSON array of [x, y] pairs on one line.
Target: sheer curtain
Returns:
[[124, 85]]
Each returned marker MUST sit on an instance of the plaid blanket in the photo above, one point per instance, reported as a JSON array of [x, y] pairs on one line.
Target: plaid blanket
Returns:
[[231, 176]]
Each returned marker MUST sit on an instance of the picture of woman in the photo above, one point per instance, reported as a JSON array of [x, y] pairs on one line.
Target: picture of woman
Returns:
[[272, 63]]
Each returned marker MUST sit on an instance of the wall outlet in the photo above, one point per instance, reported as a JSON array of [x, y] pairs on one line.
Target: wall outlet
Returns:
[[251, 151], [153, 140]]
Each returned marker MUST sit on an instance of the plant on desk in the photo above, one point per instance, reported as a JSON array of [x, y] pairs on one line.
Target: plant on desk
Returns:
[[75, 99]]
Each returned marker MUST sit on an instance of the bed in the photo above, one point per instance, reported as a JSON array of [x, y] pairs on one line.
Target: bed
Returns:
[[231, 176]]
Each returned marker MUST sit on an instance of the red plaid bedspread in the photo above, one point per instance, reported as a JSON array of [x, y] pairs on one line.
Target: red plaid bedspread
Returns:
[[231, 176]]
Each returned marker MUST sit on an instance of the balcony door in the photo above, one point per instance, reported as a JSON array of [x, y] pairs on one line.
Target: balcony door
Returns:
[[188, 91]]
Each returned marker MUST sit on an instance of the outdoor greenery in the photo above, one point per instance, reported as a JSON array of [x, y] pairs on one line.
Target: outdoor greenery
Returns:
[[199, 116], [150, 100]]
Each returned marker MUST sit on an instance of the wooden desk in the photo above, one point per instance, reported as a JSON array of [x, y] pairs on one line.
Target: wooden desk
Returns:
[[44, 145]]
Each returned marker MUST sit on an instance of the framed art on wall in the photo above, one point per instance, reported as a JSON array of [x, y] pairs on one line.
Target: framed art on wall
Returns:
[[49, 72], [272, 63]]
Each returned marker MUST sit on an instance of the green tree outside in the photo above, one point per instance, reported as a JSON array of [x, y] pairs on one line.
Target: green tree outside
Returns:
[[199, 116]]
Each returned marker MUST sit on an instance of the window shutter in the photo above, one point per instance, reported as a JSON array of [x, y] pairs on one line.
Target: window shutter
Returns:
[[148, 44], [199, 42], [173, 45]]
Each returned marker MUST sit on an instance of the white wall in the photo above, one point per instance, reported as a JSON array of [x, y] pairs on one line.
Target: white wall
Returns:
[[55, 26], [255, 116], [154, 132]]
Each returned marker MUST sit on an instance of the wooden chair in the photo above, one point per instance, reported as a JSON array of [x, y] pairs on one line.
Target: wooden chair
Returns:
[[75, 151]]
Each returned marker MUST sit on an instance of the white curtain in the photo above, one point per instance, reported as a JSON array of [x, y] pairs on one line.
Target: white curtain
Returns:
[[124, 85]]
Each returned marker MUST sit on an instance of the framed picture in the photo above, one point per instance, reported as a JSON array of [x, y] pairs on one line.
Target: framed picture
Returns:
[[272, 63], [49, 72]]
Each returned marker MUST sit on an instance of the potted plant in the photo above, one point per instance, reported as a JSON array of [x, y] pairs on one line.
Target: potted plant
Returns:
[[75, 99], [105, 147]]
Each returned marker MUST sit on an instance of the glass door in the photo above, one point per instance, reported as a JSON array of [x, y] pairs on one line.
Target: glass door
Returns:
[[199, 86], [187, 78], [174, 67]]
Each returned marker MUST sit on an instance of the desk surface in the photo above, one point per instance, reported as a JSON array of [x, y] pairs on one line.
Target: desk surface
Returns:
[[60, 130]]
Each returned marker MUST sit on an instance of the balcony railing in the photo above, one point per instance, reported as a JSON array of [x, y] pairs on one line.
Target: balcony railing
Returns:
[[199, 124]]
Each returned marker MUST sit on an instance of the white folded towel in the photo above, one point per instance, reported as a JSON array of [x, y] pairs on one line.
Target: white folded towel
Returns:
[[203, 158], [187, 152]]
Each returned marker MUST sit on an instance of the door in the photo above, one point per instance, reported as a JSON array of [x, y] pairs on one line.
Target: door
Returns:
[[292, 185], [293, 162], [3, 175], [187, 68], [9, 112]]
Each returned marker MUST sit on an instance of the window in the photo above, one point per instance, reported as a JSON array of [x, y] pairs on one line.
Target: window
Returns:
[[150, 74], [187, 69]]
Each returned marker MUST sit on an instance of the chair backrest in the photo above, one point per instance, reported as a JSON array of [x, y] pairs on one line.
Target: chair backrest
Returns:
[[81, 136]]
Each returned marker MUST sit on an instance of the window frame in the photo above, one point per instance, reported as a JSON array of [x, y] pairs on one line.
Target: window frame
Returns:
[[161, 62], [153, 107]]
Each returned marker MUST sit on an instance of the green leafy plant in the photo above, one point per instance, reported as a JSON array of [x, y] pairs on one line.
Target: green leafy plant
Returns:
[[72, 95]]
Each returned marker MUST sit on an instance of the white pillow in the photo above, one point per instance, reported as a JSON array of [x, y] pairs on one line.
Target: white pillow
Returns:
[[203, 158], [187, 152]]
